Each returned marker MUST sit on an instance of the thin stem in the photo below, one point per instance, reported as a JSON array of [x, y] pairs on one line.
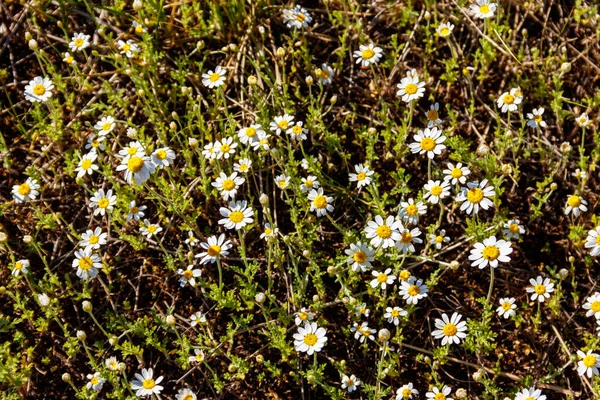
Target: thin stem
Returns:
[[489, 295]]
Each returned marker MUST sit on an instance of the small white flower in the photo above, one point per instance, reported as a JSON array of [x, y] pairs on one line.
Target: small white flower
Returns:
[[535, 118], [262, 142], [86, 165], [102, 202], [592, 304], [269, 231], [383, 233], [105, 125], [39, 90], [25, 192], [214, 247], [282, 181], [406, 392], [111, 363], [450, 330], [320, 203], [325, 74], [436, 190], [360, 256], [188, 275], [410, 211], [129, 48], [145, 384], [79, 42], [150, 229], [476, 195], [297, 132], [362, 177], [583, 120], [243, 165], [530, 394], [507, 307], [407, 238], [439, 240], [310, 182], [540, 289], [593, 241], [513, 229], [456, 174], [228, 185], [95, 381], [224, 148], [411, 88], [96, 143], [393, 315], [164, 157], [135, 212], [589, 363], [363, 332], [310, 338], [137, 169], [367, 55], [576, 205], [303, 316], [87, 264], [198, 357], [491, 251], [237, 216], [250, 134], [281, 123], [444, 29], [186, 394], [428, 141], [437, 394], [296, 17], [483, 9], [214, 79], [21, 266], [43, 299], [351, 383], [509, 101], [433, 115], [93, 239], [197, 318], [413, 290], [382, 279]]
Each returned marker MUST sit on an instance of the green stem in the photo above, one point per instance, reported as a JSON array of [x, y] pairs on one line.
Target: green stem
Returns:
[[489, 295]]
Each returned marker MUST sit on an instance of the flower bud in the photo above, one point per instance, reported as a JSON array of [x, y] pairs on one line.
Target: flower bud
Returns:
[[3, 237], [173, 125], [306, 253], [87, 306], [170, 320], [454, 265], [482, 150], [565, 67], [331, 270], [315, 298], [333, 99], [137, 5], [260, 298], [460, 393], [565, 147], [477, 375], [113, 340], [193, 142], [252, 80], [261, 30], [66, 377], [427, 15], [28, 36], [563, 273], [174, 115], [232, 368], [310, 378], [553, 186], [309, 80], [383, 335], [280, 52], [43, 299], [33, 44], [260, 359], [506, 169], [140, 92], [81, 335], [263, 199]]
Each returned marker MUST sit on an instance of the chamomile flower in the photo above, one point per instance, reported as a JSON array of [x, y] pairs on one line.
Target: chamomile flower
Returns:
[[444, 29], [214, 247], [433, 115], [225, 148], [149, 229], [588, 364], [361, 310], [137, 169], [282, 181], [410, 211], [491, 251], [576, 205], [111, 364], [242, 165], [129, 48], [105, 125], [303, 316], [483, 9], [26, 192], [135, 212], [507, 307], [579, 174], [96, 143], [407, 240], [513, 229], [214, 79], [509, 101], [360, 256], [79, 42], [297, 132], [197, 318], [86, 165], [93, 239], [87, 264], [139, 28], [250, 134], [191, 239], [363, 332], [592, 305], [436, 190], [95, 381], [228, 185], [210, 151], [367, 55], [456, 173], [450, 330], [39, 90], [186, 394], [310, 338], [68, 58], [393, 315], [540, 289], [437, 394], [296, 17], [21, 266], [535, 118], [269, 232], [428, 141], [383, 233], [102, 202], [145, 384], [476, 195], [262, 142], [530, 394], [188, 275], [281, 123], [164, 157], [320, 203], [406, 392], [133, 149], [404, 275], [325, 74], [439, 240], [362, 177], [413, 290], [198, 356], [310, 182], [593, 241], [583, 120], [383, 279], [237, 215], [350, 383], [131, 132], [410, 87]]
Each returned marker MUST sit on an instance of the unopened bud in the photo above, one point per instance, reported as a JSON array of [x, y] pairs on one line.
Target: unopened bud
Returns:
[[565, 147], [460, 393], [66, 377], [477, 375], [553, 186], [563, 273], [383, 335], [174, 115], [315, 298], [565, 67], [306, 253], [173, 125], [260, 298], [260, 359], [33, 44], [4, 237], [81, 335], [333, 99], [571, 259], [193, 142], [309, 80], [482, 150], [372, 131], [280, 52], [427, 15], [506, 169], [87, 306], [137, 5], [252, 80], [454, 265], [170, 320], [331, 270], [263, 199], [28, 36]]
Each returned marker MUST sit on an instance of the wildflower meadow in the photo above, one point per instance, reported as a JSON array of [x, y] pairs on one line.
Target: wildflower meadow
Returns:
[[321, 199]]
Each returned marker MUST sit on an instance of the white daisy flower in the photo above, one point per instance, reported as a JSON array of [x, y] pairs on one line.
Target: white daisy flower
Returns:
[[383, 233], [476, 195], [444, 29], [145, 384], [225, 148], [281, 123], [310, 182], [310, 338], [139, 28], [135, 212], [320, 203], [164, 157], [87, 264], [367, 55], [250, 134], [593, 241], [237, 216], [298, 132], [214, 79], [507, 307], [131, 132], [149, 229], [483, 9], [68, 58], [188, 275], [491, 251], [363, 332], [583, 120], [296, 17], [269, 231], [79, 42], [351, 383], [105, 125], [382, 279], [214, 247], [186, 394], [129, 48], [303, 316], [191, 239], [436, 190], [197, 318], [39, 90], [210, 151], [360, 256], [362, 177], [408, 237], [589, 363], [456, 174], [576, 205], [243, 165], [136, 169], [509, 101], [433, 115], [96, 143], [439, 240], [198, 357], [95, 381], [325, 74], [413, 290], [530, 394], [26, 192], [262, 142], [86, 165], [93, 239], [592, 305], [362, 309], [428, 141], [411, 88], [410, 211], [133, 149], [450, 330], [437, 394], [228, 185], [535, 118], [540, 289], [102, 202], [111, 363], [393, 315], [406, 392], [21, 266], [513, 229]]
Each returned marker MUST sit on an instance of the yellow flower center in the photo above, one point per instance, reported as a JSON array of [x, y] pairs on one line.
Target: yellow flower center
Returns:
[[214, 250], [94, 380], [412, 210], [161, 154], [367, 54], [540, 289], [513, 228], [509, 99], [228, 184], [69, 60], [506, 306], [432, 115], [411, 88], [440, 396], [93, 239], [361, 176], [268, 231], [78, 42], [188, 274], [308, 183], [236, 217], [300, 17], [225, 148], [383, 231], [439, 239], [85, 263], [151, 228], [188, 397], [243, 167], [450, 329], [350, 382], [404, 275], [324, 74], [428, 144], [132, 150], [24, 189], [282, 183], [148, 384], [598, 240], [310, 339], [303, 315], [589, 361], [126, 47], [395, 313], [360, 257], [320, 201], [475, 195], [456, 173], [95, 143], [382, 278], [484, 10], [413, 290], [363, 310], [436, 190], [537, 118], [595, 306], [366, 332], [406, 237], [39, 89], [490, 253], [250, 132], [297, 130], [406, 393], [106, 126], [134, 210], [574, 201], [283, 124], [135, 164], [86, 163], [139, 29], [103, 202], [445, 31], [214, 77], [19, 265]]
